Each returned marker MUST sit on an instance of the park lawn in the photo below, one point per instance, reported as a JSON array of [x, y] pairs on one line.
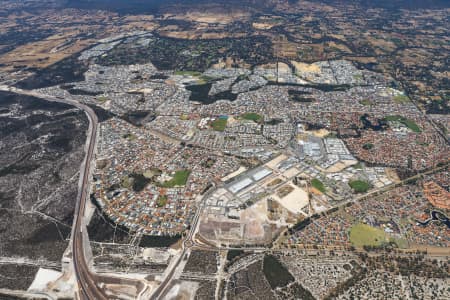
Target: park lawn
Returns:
[[102, 99], [357, 77], [402, 243], [407, 122], [359, 186], [316, 183], [205, 79], [252, 117], [179, 179], [129, 136], [162, 201], [366, 235], [188, 73], [367, 146], [411, 125], [365, 102], [219, 124], [358, 166], [401, 99]]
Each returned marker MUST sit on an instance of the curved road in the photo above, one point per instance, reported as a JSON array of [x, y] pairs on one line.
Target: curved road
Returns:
[[86, 282], [88, 288]]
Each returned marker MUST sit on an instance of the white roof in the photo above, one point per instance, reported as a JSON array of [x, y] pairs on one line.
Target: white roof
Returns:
[[261, 174], [240, 185]]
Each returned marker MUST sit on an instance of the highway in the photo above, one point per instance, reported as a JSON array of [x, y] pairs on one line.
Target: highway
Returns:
[[187, 242], [87, 281], [88, 288]]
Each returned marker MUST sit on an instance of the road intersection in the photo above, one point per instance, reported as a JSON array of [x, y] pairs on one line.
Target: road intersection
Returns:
[[88, 282]]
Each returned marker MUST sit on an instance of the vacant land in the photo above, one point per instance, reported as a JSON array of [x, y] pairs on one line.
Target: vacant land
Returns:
[[365, 235], [102, 229], [231, 254], [292, 198], [149, 241], [249, 283], [41, 149], [17, 277], [202, 261], [277, 275]]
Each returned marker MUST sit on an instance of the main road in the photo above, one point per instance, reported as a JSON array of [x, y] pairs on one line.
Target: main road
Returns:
[[88, 288], [187, 243], [189, 240]]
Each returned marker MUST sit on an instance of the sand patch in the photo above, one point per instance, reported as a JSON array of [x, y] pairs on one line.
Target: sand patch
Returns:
[[255, 217], [43, 278], [274, 162], [319, 133], [235, 173], [291, 172], [211, 17], [392, 175], [341, 165], [262, 26], [306, 68], [284, 68], [295, 200]]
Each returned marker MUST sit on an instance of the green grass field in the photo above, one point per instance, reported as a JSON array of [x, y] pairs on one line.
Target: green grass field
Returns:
[[359, 186], [188, 73], [252, 117], [407, 122], [162, 201], [365, 102], [102, 99], [179, 179], [365, 235], [368, 146], [401, 99], [357, 76], [129, 136], [401, 243], [318, 185], [205, 79], [219, 124], [358, 166]]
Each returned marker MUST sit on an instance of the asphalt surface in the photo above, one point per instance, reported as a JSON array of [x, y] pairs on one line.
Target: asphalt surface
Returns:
[[88, 288]]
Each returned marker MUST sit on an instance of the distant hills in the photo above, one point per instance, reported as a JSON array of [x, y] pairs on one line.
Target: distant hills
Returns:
[[392, 4], [135, 6], [160, 6], [165, 6]]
